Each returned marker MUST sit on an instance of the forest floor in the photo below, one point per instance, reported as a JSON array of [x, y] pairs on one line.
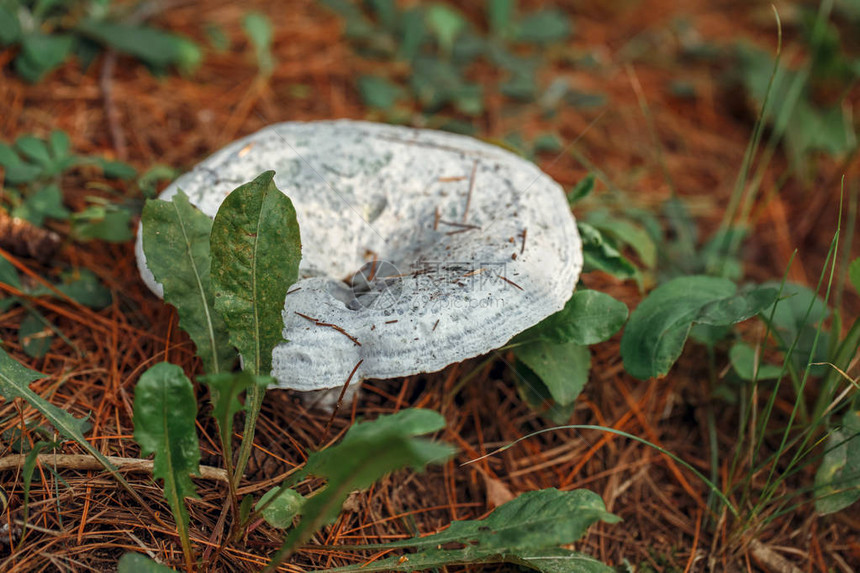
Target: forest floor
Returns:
[[85, 522]]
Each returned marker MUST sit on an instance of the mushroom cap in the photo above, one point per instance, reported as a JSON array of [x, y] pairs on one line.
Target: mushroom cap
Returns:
[[420, 248]]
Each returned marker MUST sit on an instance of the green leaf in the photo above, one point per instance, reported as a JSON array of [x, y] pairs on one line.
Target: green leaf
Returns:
[[658, 328], [258, 27], [107, 224], [796, 317], [837, 482], [600, 255], [378, 92], [35, 336], [280, 512], [544, 27], [165, 410], [445, 24], [500, 16], [60, 144], [116, 169], [527, 530], [10, 28], [628, 233], [137, 563], [176, 245], [155, 47], [588, 317], [16, 170], [34, 149], [744, 361], [563, 368], [549, 560], [41, 53], [15, 382], [368, 451], [256, 249], [29, 468], [854, 274], [45, 202], [534, 392], [84, 287], [8, 274]]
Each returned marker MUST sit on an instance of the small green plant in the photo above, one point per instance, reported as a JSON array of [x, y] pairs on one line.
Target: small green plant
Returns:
[[440, 44], [48, 33], [34, 168], [228, 279]]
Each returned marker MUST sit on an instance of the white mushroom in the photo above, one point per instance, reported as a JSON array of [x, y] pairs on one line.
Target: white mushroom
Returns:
[[420, 248]]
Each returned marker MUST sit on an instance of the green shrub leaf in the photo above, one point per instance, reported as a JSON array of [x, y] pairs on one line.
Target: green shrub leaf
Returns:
[[137, 563], [368, 451], [658, 328], [165, 410], [176, 245], [256, 249], [155, 47], [588, 317], [563, 368], [837, 482], [527, 530], [281, 510], [600, 255], [854, 274], [743, 359]]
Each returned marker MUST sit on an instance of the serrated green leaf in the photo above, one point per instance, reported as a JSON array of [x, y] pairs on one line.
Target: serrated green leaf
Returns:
[[15, 382], [743, 359], [35, 336], [165, 410], [658, 328], [563, 368], [155, 47], [527, 531], [837, 482], [255, 248], [137, 563], [368, 451], [588, 317], [281, 510], [600, 255], [176, 245]]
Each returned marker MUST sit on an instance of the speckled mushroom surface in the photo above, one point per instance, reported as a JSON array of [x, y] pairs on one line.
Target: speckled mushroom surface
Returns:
[[420, 248]]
